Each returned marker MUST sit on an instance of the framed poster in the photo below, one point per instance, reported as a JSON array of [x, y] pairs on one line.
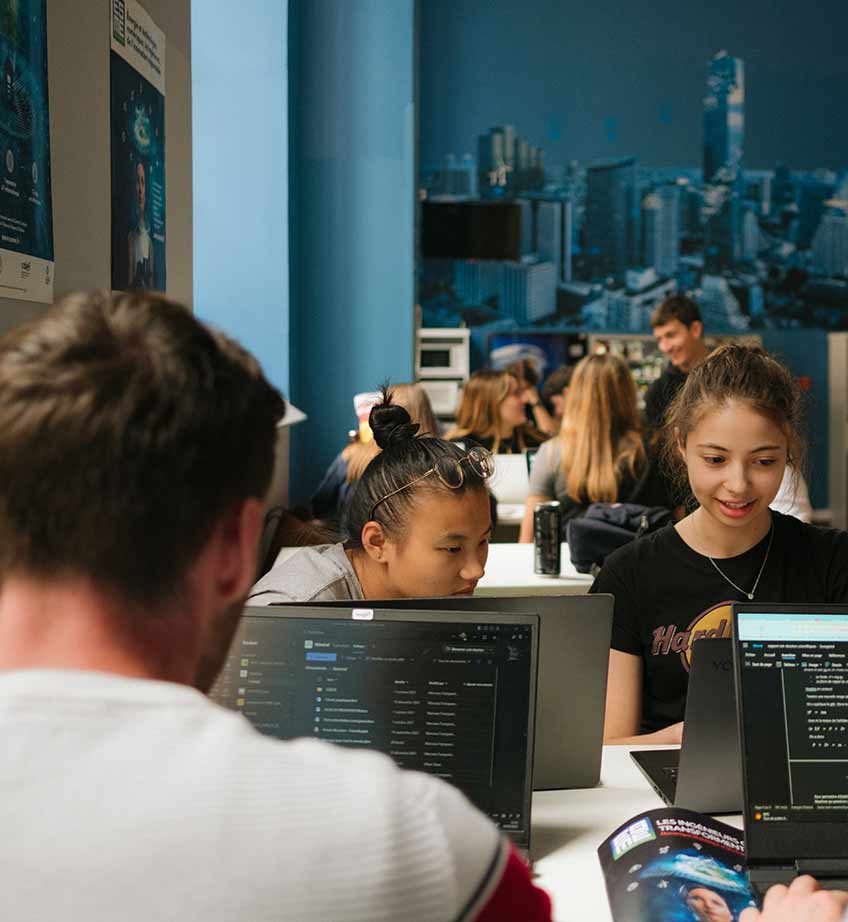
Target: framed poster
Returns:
[[137, 109], [26, 210]]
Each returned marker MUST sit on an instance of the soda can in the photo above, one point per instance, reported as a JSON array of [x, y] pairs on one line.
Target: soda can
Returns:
[[547, 559]]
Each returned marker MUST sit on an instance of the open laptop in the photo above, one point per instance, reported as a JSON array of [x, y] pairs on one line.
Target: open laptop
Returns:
[[704, 774], [791, 669], [574, 642], [449, 693]]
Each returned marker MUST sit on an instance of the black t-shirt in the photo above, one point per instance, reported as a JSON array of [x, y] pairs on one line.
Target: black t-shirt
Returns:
[[666, 595], [660, 394]]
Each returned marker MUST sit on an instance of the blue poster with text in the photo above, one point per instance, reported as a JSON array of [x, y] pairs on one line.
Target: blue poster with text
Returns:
[[26, 214]]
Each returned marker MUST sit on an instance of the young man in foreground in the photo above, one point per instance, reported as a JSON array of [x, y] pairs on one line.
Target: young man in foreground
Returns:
[[135, 448]]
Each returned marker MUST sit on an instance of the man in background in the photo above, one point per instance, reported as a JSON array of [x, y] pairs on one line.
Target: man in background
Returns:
[[679, 332], [136, 446]]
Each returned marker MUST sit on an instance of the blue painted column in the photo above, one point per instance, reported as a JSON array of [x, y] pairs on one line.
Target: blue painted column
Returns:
[[352, 213], [240, 141]]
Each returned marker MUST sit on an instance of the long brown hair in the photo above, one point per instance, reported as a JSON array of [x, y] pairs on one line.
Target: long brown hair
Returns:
[[740, 372], [600, 437], [413, 398], [479, 414]]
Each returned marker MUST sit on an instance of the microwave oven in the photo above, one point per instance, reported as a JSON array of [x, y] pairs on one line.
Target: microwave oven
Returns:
[[442, 353]]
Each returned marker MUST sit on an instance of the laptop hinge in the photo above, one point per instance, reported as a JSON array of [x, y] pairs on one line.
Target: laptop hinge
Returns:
[[822, 867]]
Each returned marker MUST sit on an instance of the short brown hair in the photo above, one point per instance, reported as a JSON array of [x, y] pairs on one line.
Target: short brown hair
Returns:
[[557, 381], [735, 372], [127, 428], [676, 307]]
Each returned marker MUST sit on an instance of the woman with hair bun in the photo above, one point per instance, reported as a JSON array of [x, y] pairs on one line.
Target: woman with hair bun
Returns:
[[330, 499], [418, 524]]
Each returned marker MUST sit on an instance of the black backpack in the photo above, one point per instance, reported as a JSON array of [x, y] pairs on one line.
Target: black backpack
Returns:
[[603, 527]]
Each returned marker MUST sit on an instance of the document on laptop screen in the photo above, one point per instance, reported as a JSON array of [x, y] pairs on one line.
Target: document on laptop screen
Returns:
[[793, 675]]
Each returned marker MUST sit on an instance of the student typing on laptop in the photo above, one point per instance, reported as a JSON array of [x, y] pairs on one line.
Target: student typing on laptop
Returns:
[[418, 524], [801, 901], [135, 447], [729, 433]]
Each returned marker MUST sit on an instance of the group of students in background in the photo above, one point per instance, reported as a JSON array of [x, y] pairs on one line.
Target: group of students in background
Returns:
[[721, 442], [136, 446]]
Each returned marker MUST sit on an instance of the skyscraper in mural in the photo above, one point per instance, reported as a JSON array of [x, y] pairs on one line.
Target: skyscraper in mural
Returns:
[[661, 229], [724, 117], [724, 137], [830, 244], [598, 243], [612, 218]]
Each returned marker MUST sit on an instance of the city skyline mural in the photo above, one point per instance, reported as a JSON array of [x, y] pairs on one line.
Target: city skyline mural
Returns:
[[518, 234]]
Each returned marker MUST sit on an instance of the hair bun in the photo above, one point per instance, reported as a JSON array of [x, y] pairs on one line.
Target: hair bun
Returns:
[[391, 424]]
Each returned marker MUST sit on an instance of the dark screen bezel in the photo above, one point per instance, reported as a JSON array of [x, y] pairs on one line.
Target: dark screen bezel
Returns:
[[782, 842], [445, 616]]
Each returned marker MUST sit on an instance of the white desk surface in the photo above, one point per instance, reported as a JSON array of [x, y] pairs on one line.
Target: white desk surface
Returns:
[[509, 571], [568, 826]]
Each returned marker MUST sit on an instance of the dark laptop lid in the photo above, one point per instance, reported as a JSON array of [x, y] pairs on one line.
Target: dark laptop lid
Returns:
[[448, 693], [709, 777], [791, 669], [574, 642]]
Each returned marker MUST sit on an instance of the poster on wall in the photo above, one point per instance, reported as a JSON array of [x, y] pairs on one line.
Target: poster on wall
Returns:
[[625, 155], [137, 108], [26, 212]]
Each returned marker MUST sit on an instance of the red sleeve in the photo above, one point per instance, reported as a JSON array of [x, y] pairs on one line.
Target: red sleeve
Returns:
[[515, 896]]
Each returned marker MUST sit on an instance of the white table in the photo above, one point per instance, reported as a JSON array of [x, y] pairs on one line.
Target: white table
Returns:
[[568, 826], [509, 571]]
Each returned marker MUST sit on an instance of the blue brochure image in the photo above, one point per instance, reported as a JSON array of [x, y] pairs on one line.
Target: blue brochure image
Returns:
[[675, 865]]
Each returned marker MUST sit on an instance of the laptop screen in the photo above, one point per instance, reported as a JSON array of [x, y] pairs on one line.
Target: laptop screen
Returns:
[[450, 694], [792, 683]]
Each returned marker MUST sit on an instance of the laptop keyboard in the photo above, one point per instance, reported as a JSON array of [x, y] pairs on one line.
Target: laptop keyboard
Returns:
[[762, 879]]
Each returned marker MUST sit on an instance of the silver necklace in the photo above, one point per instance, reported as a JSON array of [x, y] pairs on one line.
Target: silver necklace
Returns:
[[757, 580]]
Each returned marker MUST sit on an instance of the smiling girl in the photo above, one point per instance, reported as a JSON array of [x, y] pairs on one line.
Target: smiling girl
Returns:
[[729, 435], [418, 523]]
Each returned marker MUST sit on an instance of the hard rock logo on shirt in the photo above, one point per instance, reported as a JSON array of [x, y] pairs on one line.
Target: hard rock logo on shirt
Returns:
[[668, 639]]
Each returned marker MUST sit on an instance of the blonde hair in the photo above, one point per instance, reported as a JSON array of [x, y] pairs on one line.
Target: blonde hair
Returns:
[[600, 437], [413, 398], [479, 409]]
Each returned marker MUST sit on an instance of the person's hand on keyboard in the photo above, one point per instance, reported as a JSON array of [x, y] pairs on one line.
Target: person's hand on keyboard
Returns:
[[802, 901]]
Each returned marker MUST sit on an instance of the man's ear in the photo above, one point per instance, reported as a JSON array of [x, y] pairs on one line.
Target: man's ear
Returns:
[[234, 547], [696, 328], [374, 541]]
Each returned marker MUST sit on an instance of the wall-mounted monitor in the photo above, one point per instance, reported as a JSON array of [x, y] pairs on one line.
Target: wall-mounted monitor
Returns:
[[471, 230]]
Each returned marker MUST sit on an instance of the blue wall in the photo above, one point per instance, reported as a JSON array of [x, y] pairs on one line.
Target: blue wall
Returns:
[[608, 79], [588, 81], [240, 140], [352, 213], [804, 352]]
